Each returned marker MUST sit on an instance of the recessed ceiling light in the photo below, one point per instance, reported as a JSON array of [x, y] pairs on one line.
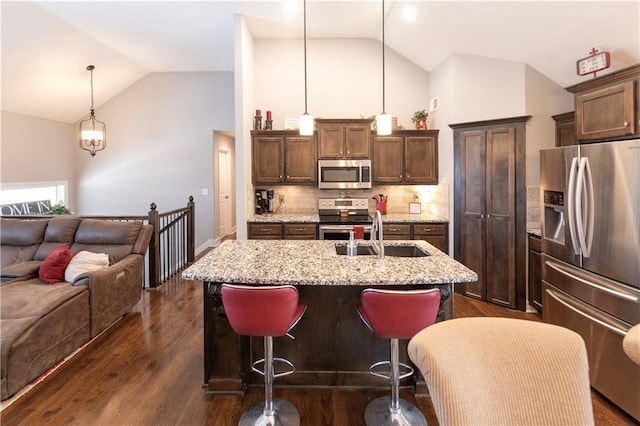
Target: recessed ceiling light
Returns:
[[409, 13]]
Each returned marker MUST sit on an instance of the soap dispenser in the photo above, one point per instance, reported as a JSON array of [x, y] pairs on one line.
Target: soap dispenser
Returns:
[[352, 249]]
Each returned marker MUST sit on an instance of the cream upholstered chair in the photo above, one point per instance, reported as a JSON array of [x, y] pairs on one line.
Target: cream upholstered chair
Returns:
[[631, 343], [502, 371]]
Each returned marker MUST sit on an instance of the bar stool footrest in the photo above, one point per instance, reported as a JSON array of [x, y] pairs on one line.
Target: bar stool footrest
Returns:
[[275, 360], [407, 368]]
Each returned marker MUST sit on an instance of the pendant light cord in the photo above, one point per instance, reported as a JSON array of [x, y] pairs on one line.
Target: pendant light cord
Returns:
[[90, 69], [383, 76], [305, 55]]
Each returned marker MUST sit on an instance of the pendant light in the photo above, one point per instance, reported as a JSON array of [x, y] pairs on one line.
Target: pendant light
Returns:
[[383, 120], [306, 119], [93, 133]]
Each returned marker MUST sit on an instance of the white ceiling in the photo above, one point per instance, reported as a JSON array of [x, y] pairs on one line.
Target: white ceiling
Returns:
[[46, 45]]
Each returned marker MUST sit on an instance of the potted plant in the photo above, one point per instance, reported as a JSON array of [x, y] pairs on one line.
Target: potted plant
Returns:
[[59, 208], [420, 119]]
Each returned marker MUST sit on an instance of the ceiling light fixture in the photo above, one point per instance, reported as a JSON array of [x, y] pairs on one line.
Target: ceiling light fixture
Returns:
[[93, 133], [383, 120], [306, 119]]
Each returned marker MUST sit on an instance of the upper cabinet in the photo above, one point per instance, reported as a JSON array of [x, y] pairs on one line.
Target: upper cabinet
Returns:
[[283, 157], [406, 157], [344, 138], [608, 107], [565, 129]]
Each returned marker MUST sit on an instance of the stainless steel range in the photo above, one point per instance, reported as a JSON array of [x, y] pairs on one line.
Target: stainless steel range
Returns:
[[338, 216]]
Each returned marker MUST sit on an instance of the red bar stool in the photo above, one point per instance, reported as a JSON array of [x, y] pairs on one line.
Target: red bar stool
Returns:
[[395, 315], [267, 312]]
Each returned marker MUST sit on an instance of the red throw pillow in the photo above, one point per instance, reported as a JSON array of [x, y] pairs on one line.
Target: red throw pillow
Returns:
[[53, 267]]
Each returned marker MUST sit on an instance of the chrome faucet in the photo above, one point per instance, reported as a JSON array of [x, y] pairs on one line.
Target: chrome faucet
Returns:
[[377, 240]]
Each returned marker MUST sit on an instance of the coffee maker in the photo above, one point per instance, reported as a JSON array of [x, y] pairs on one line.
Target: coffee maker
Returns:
[[264, 201]]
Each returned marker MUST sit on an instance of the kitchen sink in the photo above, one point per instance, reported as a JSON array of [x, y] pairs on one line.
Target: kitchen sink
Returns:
[[362, 250], [404, 251], [389, 250]]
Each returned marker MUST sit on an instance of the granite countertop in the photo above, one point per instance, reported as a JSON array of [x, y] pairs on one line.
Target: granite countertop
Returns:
[[313, 218], [534, 231], [312, 262]]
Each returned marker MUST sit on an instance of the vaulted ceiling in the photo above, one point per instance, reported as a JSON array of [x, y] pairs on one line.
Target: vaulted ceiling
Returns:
[[46, 45]]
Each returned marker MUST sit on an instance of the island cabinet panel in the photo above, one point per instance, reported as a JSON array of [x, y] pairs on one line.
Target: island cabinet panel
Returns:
[[608, 107], [535, 273], [265, 231], [300, 231], [332, 346], [344, 138], [490, 230], [406, 157], [284, 157]]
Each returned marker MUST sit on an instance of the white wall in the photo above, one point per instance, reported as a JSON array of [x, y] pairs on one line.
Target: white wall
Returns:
[[38, 150], [544, 98], [473, 88], [159, 147], [344, 80], [244, 96]]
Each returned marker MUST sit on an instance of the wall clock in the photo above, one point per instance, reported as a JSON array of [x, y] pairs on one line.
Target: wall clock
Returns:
[[598, 61]]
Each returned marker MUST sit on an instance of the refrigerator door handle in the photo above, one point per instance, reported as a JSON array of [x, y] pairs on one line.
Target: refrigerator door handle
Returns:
[[613, 328], [571, 205], [604, 289], [584, 219]]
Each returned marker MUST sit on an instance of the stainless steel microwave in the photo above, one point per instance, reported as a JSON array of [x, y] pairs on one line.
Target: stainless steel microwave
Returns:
[[344, 174]]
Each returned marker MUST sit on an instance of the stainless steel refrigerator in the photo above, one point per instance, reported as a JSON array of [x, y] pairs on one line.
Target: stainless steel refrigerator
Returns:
[[590, 220]]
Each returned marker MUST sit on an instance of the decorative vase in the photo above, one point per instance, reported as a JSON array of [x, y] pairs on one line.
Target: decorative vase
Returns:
[[421, 125]]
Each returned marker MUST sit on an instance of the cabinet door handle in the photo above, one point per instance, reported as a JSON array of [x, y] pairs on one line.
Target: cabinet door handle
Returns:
[[626, 124], [265, 229], [287, 176], [408, 176], [348, 152]]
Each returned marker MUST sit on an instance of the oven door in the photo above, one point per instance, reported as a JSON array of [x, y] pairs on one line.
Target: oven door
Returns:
[[340, 232]]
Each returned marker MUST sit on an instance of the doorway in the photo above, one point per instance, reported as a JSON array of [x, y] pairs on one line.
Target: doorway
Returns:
[[224, 204]]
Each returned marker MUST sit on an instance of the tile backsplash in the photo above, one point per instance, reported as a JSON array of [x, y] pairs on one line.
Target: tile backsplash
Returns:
[[533, 207], [434, 199]]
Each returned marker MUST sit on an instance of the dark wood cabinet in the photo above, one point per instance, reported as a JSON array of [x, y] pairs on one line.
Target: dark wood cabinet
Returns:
[[264, 231], [535, 272], [300, 231], [436, 234], [565, 129], [396, 231], [344, 138], [283, 157], [490, 208], [406, 157], [608, 107]]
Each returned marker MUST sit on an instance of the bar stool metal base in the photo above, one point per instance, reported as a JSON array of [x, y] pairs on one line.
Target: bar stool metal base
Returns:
[[284, 413], [379, 413]]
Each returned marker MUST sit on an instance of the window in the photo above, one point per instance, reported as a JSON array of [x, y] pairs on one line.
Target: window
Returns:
[[31, 198]]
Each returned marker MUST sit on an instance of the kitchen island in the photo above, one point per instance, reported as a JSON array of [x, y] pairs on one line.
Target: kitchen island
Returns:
[[332, 346]]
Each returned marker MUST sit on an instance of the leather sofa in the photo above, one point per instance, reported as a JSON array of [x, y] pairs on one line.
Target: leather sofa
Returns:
[[42, 323]]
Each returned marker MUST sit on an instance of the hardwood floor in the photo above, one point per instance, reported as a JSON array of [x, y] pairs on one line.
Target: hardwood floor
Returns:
[[147, 370]]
